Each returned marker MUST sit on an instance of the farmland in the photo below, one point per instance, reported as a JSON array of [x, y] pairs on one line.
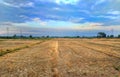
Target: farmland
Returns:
[[60, 57]]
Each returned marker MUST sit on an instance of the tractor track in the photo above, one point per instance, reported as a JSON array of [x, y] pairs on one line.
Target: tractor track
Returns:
[[96, 50]]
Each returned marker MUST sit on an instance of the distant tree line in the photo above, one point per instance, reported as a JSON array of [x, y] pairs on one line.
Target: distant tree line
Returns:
[[99, 35], [104, 35], [23, 37]]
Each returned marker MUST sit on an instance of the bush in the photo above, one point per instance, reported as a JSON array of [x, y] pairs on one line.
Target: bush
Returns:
[[119, 36], [117, 68], [111, 36], [101, 35]]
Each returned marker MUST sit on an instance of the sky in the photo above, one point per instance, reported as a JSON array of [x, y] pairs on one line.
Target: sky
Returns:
[[59, 17]]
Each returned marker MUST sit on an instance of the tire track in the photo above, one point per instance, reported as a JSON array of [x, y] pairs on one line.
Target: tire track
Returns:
[[97, 50], [55, 61], [100, 44]]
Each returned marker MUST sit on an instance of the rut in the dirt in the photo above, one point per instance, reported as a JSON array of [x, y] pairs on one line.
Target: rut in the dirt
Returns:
[[55, 60]]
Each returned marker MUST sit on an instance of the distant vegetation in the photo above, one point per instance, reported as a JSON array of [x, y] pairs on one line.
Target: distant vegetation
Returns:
[[104, 35], [23, 37], [99, 35], [119, 36]]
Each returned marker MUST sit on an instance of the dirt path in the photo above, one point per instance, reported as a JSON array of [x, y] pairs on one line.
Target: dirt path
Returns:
[[58, 58]]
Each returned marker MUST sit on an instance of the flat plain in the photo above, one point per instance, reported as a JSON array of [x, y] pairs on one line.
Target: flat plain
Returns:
[[60, 57]]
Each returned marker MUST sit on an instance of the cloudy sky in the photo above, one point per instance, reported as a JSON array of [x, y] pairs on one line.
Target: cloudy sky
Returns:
[[59, 17]]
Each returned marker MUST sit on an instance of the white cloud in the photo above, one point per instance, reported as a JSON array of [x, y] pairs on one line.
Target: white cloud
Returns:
[[97, 3], [38, 20], [96, 26], [84, 11], [67, 1], [28, 4], [57, 9], [54, 16], [75, 20], [8, 4], [23, 16], [88, 26], [6, 24], [114, 12], [73, 2], [109, 17]]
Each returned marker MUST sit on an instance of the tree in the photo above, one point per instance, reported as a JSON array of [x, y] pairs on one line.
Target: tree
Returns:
[[101, 35], [21, 36], [43, 36], [119, 36], [30, 36], [108, 36], [14, 36], [47, 36], [77, 36], [111, 36]]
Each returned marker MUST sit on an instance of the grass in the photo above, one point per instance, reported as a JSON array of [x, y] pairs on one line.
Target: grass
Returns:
[[10, 50], [3, 52], [117, 68]]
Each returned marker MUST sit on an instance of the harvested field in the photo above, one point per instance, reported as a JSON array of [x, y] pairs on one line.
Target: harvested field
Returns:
[[61, 58], [10, 44]]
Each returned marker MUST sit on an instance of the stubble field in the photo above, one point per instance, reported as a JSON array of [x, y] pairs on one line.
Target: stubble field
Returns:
[[60, 57]]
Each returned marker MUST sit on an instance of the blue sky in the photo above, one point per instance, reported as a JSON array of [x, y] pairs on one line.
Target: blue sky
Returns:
[[59, 17]]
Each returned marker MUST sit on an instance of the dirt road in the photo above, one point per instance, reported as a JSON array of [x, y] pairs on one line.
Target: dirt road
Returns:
[[62, 58]]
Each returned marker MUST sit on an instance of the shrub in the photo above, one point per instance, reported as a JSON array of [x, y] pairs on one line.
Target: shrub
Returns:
[[117, 68]]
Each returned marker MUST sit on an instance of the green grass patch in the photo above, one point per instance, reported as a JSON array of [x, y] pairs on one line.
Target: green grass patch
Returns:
[[3, 52], [117, 68]]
